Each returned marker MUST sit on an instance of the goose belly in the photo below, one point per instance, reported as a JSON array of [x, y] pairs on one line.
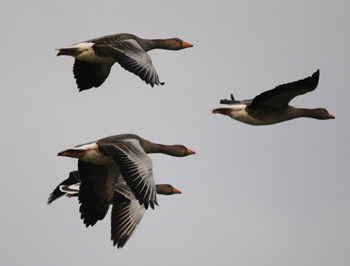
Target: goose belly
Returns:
[[240, 113]]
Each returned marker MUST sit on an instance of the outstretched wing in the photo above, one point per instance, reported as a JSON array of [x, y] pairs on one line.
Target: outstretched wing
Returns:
[[126, 214], [96, 190], [88, 75], [136, 168], [283, 94], [130, 55], [72, 179]]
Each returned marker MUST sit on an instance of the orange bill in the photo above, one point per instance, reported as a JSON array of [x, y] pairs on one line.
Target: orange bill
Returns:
[[176, 191], [189, 152], [186, 44]]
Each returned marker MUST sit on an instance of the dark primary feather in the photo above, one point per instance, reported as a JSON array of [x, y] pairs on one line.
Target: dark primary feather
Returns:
[[88, 75], [94, 195], [283, 94], [72, 179], [126, 209]]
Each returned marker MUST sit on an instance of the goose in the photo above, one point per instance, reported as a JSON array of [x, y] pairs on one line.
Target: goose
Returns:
[[100, 164], [127, 212], [72, 179], [94, 58], [271, 107]]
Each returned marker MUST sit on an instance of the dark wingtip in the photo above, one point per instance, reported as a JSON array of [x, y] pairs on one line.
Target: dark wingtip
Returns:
[[159, 83], [49, 201], [315, 78], [316, 74], [145, 204], [54, 195], [88, 223], [59, 52], [82, 89]]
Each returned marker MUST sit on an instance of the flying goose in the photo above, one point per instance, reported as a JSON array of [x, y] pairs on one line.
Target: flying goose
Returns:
[[94, 58], [127, 212], [271, 107], [101, 163]]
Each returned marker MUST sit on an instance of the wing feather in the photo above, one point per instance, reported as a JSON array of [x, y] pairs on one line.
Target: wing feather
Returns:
[[96, 190], [126, 216], [130, 55], [283, 94], [72, 179], [136, 168]]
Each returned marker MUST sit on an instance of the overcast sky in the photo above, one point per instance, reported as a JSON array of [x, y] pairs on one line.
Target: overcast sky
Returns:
[[270, 195]]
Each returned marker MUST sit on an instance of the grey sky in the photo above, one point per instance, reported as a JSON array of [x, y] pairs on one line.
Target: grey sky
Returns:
[[271, 195]]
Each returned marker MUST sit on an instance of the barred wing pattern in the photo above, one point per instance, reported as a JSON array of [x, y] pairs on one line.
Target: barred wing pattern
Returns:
[[136, 168], [126, 214], [130, 55]]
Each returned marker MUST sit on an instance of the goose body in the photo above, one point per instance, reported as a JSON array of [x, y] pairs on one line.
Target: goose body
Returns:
[[127, 212], [271, 107], [101, 163], [94, 58]]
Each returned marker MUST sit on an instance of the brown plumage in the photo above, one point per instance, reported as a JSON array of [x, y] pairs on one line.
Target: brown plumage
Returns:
[[127, 212], [94, 58], [101, 163], [271, 107]]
